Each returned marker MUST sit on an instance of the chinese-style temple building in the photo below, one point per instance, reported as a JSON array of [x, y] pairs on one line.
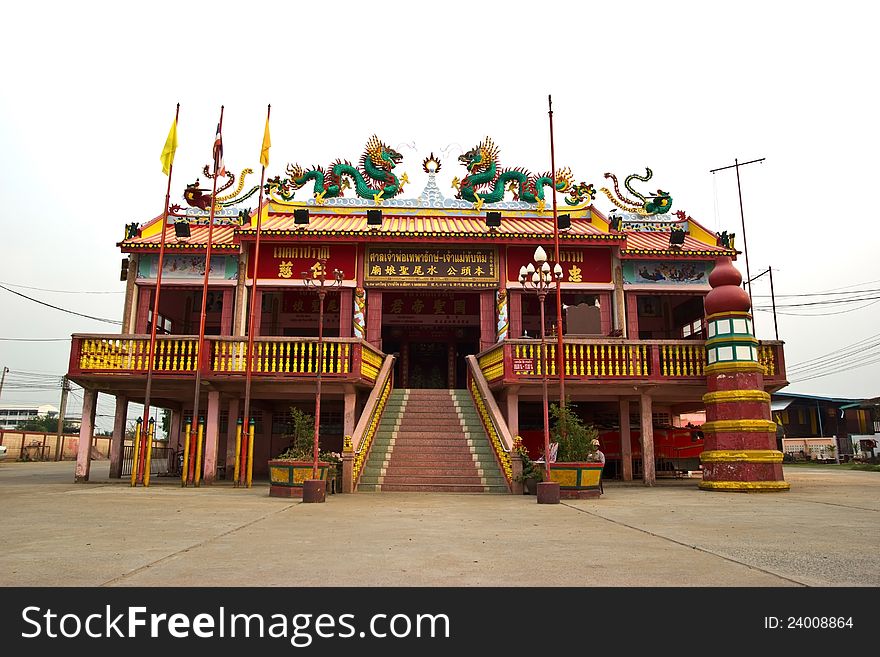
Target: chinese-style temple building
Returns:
[[429, 334]]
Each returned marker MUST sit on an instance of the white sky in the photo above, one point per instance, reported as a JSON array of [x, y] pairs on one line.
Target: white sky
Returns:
[[89, 89]]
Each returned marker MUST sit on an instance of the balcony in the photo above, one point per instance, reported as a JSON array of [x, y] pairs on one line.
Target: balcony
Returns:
[[602, 360], [225, 358]]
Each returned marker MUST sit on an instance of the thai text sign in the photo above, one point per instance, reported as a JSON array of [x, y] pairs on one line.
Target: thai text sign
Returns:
[[431, 267], [287, 261], [525, 365], [579, 264]]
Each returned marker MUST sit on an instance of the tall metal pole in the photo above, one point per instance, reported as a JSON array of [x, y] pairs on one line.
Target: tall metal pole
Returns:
[[201, 339], [250, 345], [773, 300], [316, 448], [147, 445], [560, 356], [736, 165], [542, 295]]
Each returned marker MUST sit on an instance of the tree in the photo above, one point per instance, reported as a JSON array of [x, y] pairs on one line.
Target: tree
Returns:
[[46, 424]]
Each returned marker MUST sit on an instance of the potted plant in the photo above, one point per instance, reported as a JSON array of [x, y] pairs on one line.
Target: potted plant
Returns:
[[532, 473], [577, 468], [293, 466]]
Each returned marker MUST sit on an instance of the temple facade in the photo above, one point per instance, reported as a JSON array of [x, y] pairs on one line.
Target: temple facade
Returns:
[[428, 298]]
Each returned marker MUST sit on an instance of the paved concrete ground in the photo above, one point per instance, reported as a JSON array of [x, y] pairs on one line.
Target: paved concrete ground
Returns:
[[824, 532]]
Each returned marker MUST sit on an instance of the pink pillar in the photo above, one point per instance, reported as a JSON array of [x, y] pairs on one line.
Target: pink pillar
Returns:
[[512, 409], [118, 439], [349, 410], [174, 438], [488, 325], [227, 311], [514, 312], [346, 304], [212, 436], [374, 318], [626, 457], [647, 440], [231, 425], [86, 429], [144, 306]]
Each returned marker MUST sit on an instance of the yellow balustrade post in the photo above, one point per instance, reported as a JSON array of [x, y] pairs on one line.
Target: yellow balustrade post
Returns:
[[235, 476], [274, 366], [197, 476], [602, 360], [250, 454], [187, 433], [134, 458], [151, 434]]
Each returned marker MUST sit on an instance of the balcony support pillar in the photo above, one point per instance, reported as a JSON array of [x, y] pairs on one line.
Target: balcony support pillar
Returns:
[[86, 429], [118, 439], [626, 462], [212, 436], [647, 433]]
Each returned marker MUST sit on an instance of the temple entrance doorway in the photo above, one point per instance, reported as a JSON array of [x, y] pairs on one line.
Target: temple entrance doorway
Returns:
[[431, 333]]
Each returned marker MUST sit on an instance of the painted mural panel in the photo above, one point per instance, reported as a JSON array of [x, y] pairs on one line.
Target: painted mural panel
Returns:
[[666, 272], [188, 267]]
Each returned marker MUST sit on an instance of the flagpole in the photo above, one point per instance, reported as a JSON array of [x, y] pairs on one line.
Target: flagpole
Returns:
[[560, 358], [201, 339], [147, 445], [242, 478]]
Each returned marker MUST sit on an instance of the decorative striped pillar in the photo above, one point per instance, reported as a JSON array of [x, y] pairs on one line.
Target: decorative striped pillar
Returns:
[[740, 438]]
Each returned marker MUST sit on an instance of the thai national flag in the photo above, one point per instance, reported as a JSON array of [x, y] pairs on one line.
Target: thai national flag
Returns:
[[219, 167]]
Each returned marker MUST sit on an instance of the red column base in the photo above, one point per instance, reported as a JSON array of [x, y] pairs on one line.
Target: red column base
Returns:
[[548, 492], [314, 490]]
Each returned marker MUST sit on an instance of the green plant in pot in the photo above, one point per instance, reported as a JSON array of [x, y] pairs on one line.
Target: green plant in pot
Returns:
[[301, 437], [532, 473], [577, 441]]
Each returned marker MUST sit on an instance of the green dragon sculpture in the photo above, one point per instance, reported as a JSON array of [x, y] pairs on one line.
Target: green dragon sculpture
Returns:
[[486, 183], [659, 203], [376, 164]]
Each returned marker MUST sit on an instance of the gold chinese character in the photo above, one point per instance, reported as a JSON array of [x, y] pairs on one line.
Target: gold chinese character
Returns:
[[458, 306], [417, 271], [574, 274], [317, 269], [397, 306], [432, 270], [466, 271], [417, 306], [297, 306], [376, 270], [285, 269], [478, 271], [315, 306], [390, 270], [439, 306], [332, 305], [451, 271], [404, 270]]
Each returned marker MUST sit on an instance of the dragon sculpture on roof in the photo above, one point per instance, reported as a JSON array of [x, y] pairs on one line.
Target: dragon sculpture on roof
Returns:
[[659, 203], [487, 183], [375, 168], [197, 197]]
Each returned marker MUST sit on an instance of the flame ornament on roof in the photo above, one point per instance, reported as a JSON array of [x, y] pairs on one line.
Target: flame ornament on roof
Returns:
[[659, 203], [199, 198], [376, 166], [487, 183]]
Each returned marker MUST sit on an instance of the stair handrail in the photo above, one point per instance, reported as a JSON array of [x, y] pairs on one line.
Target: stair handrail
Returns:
[[490, 415], [365, 430]]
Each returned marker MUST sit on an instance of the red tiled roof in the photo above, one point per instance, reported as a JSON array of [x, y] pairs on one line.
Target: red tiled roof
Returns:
[[222, 238], [657, 243]]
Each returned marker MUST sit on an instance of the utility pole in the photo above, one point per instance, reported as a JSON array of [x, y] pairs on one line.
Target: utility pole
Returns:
[[59, 438], [769, 270], [3, 378], [736, 164]]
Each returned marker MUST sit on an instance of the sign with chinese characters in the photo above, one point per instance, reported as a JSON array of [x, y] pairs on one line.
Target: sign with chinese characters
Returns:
[[579, 264], [667, 272], [187, 267], [287, 261], [287, 311], [430, 308], [431, 267]]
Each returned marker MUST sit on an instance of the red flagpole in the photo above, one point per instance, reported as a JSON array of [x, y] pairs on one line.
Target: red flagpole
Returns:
[[241, 477], [141, 456], [560, 357], [201, 340]]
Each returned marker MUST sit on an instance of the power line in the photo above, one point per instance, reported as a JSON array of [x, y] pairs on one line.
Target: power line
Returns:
[[43, 289], [35, 339], [65, 310]]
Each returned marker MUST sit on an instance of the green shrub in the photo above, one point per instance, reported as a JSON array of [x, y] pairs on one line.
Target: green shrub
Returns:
[[577, 441]]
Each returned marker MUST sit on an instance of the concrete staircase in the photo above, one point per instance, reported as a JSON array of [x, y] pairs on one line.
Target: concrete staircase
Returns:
[[432, 440]]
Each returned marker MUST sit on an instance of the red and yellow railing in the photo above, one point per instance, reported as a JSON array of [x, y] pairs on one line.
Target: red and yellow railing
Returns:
[[609, 359], [343, 358], [490, 416]]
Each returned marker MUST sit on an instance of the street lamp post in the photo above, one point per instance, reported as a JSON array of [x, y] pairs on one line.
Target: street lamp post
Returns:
[[317, 280], [540, 277]]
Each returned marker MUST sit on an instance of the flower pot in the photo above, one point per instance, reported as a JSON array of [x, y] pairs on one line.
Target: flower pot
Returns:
[[577, 480], [530, 486], [287, 477]]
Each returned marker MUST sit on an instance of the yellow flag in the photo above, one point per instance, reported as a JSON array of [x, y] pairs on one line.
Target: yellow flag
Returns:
[[267, 142], [169, 149]]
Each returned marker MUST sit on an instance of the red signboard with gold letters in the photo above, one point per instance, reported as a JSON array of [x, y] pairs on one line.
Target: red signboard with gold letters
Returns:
[[287, 261], [425, 266], [579, 264]]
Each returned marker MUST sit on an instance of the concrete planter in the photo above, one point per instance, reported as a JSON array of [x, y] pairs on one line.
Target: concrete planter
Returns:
[[577, 480], [287, 477]]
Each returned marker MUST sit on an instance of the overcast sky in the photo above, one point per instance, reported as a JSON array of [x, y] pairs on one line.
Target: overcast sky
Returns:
[[89, 91]]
